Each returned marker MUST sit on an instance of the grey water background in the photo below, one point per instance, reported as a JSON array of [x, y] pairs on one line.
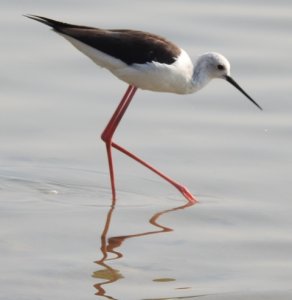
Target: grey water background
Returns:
[[55, 198]]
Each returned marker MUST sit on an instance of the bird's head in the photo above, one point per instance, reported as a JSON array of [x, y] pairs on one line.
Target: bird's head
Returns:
[[214, 65]]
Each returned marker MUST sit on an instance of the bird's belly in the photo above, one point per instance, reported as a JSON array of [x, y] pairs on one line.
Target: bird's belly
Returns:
[[155, 77]]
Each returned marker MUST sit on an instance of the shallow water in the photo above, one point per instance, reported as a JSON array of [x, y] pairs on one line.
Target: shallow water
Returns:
[[61, 235]]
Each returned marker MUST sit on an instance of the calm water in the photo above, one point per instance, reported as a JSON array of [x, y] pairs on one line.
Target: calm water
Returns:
[[61, 235]]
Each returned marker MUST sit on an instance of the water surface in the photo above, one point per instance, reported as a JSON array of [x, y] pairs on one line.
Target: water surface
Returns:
[[61, 235]]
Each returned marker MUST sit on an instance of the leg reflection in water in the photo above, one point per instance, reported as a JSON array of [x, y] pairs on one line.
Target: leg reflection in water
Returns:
[[109, 245]]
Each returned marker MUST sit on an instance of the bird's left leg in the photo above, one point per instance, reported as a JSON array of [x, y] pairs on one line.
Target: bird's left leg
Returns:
[[185, 192]]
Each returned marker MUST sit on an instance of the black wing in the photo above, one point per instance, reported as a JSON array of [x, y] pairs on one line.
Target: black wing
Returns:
[[130, 46]]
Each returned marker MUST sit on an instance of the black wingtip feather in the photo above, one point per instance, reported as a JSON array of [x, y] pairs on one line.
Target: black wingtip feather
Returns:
[[56, 25], [49, 22], [39, 19]]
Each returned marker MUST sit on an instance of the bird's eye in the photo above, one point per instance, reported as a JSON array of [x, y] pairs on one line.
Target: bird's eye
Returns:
[[220, 67]]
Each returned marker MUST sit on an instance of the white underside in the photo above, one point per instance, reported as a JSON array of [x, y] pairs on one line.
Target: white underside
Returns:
[[154, 76]]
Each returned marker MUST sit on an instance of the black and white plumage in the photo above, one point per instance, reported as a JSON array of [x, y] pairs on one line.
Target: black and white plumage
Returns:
[[146, 61]]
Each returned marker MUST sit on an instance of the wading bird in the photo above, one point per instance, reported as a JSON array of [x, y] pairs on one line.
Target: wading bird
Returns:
[[146, 61]]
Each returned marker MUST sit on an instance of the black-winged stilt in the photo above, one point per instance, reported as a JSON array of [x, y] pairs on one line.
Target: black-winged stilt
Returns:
[[146, 61]]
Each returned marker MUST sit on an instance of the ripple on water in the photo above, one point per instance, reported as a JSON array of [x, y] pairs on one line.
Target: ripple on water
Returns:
[[78, 187]]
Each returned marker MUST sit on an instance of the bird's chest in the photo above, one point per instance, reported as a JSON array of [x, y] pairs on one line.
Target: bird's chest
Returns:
[[156, 77]]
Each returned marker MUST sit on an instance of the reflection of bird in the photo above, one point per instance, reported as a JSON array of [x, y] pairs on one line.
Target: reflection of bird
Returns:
[[146, 61], [110, 245]]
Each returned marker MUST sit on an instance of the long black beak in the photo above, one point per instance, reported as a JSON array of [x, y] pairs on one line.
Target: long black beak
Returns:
[[234, 83]]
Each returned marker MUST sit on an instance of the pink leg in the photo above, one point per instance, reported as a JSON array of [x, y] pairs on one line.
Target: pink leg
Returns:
[[181, 188], [110, 129], [107, 138]]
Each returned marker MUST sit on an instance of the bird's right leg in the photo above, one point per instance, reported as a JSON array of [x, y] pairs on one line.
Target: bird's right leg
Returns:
[[110, 129]]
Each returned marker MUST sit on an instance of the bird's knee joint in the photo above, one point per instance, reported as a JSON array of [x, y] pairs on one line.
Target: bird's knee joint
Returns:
[[107, 140], [103, 138]]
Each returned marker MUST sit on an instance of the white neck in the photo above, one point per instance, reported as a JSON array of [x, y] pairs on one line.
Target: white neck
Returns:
[[200, 78]]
